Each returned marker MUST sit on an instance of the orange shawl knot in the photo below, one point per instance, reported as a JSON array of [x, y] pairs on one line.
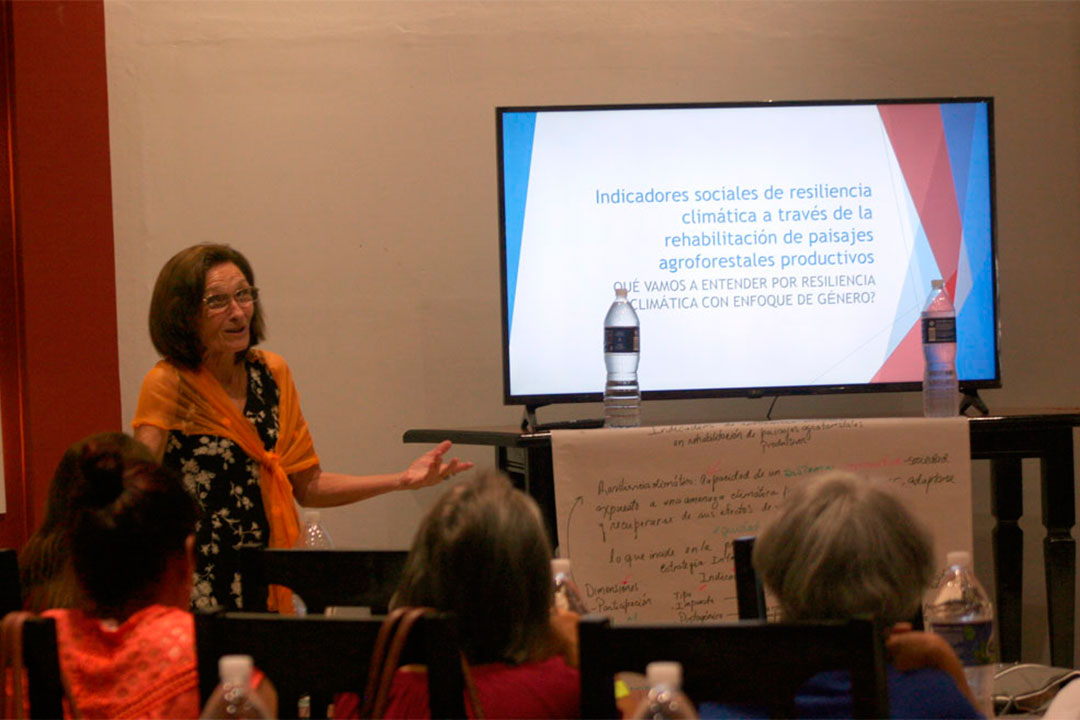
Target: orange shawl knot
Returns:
[[195, 403]]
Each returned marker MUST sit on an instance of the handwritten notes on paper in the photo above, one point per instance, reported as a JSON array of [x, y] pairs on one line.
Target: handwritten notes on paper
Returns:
[[647, 515]]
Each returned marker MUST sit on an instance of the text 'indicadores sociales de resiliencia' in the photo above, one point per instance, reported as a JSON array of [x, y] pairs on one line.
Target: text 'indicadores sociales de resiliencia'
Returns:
[[821, 228]]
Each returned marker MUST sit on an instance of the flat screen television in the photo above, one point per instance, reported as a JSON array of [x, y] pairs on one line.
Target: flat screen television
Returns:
[[768, 248]]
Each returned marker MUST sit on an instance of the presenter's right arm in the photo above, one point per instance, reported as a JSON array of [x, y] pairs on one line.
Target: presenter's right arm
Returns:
[[154, 438]]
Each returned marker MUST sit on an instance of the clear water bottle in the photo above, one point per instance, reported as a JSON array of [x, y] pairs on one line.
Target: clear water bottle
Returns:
[[238, 701], [567, 595], [958, 609], [313, 535], [941, 392], [665, 699], [622, 396]]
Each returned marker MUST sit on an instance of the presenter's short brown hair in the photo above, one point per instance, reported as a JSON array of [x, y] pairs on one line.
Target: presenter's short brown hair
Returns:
[[176, 304]]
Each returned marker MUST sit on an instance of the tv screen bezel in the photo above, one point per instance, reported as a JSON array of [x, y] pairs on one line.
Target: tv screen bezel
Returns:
[[536, 400]]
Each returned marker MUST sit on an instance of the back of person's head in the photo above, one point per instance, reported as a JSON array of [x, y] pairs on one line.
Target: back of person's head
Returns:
[[843, 546], [482, 553], [131, 518], [44, 561]]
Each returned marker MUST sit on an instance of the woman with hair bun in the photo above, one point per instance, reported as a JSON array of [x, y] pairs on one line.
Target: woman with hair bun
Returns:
[[47, 579], [127, 648]]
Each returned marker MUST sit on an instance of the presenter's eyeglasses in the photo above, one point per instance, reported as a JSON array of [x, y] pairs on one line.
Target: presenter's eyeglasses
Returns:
[[243, 297]]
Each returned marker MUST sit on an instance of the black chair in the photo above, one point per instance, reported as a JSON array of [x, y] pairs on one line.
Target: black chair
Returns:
[[749, 593], [747, 663], [365, 578], [10, 584], [320, 656]]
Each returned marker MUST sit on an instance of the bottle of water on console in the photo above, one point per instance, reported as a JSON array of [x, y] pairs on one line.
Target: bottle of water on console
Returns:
[[313, 535], [941, 394], [665, 700], [622, 396], [958, 609], [237, 698], [567, 595]]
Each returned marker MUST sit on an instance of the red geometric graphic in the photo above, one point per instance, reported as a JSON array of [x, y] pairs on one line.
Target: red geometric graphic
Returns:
[[906, 361], [918, 139]]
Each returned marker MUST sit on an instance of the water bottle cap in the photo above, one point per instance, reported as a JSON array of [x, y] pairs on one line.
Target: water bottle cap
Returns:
[[235, 669], [620, 292], [664, 673], [560, 566], [937, 284], [958, 557], [311, 517]]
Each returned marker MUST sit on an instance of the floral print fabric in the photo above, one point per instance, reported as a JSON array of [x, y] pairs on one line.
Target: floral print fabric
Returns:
[[225, 481]]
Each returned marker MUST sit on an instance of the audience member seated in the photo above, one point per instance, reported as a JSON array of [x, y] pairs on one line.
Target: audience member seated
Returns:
[[127, 648], [482, 553], [842, 546], [44, 562]]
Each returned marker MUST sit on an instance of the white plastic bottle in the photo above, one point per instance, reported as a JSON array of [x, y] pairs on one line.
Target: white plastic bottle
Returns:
[[665, 699], [622, 396], [313, 535], [567, 595], [237, 698], [958, 609], [941, 392]]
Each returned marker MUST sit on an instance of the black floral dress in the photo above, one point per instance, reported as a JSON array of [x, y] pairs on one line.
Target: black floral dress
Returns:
[[225, 481]]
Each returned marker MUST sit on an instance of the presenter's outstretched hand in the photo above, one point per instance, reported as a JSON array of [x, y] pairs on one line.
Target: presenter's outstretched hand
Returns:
[[429, 468]]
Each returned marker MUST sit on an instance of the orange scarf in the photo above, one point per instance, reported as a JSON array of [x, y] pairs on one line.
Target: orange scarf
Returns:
[[195, 403]]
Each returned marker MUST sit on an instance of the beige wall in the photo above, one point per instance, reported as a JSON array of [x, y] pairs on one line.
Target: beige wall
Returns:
[[348, 148]]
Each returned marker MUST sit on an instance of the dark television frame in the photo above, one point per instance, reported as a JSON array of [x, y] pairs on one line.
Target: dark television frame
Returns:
[[969, 388]]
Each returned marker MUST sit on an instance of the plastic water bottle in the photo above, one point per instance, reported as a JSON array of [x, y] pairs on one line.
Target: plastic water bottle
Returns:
[[622, 396], [665, 698], [313, 535], [567, 595], [941, 392], [237, 698], [958, 609]]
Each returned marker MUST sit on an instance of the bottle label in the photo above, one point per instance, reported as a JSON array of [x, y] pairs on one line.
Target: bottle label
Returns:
[[620, 340], [939, 330], [972, 641]]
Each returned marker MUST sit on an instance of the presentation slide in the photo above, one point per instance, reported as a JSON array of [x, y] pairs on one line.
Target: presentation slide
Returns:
[[761, 246]]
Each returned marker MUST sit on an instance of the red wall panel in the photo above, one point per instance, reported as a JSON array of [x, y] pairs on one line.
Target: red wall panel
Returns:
[[63, 363]]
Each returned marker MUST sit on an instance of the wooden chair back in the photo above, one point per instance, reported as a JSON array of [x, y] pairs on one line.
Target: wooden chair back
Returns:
[[320, 656], [749, 663], [324, 577], [33, 640]]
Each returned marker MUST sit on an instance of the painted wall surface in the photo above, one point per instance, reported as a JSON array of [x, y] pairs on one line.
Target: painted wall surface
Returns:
[[348, 148]]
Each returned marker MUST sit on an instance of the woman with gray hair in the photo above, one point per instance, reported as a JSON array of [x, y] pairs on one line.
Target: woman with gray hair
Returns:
[[843, 546]]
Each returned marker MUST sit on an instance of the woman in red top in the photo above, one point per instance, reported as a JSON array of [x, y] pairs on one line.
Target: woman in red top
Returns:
[[127, 649], [482, 553]]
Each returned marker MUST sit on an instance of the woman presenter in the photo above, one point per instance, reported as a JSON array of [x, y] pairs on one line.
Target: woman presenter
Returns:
[[227, 417]]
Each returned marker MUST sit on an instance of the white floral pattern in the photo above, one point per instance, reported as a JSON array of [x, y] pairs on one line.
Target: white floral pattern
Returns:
[[225, 481]]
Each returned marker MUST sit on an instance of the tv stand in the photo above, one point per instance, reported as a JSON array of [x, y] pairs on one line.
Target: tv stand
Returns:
[[529, 423], [971, 399]]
